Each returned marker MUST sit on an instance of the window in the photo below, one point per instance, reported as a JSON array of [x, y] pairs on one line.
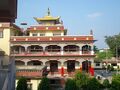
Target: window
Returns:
[[114, 64], [56, 34], [42, 34], [1, 34], [34, 34], [97, 64]]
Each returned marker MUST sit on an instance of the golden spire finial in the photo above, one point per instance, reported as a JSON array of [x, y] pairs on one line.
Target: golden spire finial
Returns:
[[91, 32], [48, 12]]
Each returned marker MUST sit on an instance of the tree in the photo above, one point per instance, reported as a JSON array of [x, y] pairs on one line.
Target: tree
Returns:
[[106, 83], [95, 49], [115, 85], [93, 84], [114, 43], [108, 67], [44, 84], [70, 85], [81, 79], [22, 84], [103, 55]]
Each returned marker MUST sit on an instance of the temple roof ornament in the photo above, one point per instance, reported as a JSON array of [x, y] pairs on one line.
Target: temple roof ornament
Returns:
[[48, 12], [48, 17], [91, 32]]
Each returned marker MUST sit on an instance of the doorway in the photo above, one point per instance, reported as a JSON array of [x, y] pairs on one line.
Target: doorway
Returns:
[[86, 65], [71, 66]]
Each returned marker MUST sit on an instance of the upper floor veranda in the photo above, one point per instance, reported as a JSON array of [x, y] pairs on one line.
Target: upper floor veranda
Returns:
[[52, 50]]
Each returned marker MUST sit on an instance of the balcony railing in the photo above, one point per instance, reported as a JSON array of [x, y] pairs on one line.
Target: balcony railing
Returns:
[[28, 67], [86, 52], [70, 53], [52, 53]]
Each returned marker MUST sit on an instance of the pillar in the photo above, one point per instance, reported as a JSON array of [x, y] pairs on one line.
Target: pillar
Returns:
[[26, 51], [44, 49], [80, 49], [80, 64], [91, 69], [92, 50], [19, 50], [25, 63], [62, 69], [62, 50]]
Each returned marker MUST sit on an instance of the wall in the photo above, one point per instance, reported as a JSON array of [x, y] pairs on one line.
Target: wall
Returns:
[[4, 42], [48, 33]]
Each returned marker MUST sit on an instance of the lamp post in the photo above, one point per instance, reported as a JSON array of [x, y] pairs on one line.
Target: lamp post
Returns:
[[116, 53], [106, 61], [116, 58]]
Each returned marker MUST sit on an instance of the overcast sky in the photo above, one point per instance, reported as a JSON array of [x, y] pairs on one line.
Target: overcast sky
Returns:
[[79, 16]]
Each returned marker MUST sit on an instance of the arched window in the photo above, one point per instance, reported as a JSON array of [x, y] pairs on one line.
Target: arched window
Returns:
[[17, 49], [71, 48], [86, 49], [34, 63], [53, 48], [19, 63], [35, 48]]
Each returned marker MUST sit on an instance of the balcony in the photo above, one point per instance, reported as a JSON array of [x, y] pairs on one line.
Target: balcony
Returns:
[[71, 53], [61, 53], [86, 52], [28, 67], [51, 50]]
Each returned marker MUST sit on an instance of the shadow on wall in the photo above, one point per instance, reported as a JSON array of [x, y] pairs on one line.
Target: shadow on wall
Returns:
[[4, 60], [2, 53]]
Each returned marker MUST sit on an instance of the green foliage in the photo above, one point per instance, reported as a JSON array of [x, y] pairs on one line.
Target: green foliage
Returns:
[[22, 84], [44, 84], [95, 49], [70, 85], [106, 83], [115, 85], [81, 79], [113, 42], [104, 55], [93, 84], [110, 68]]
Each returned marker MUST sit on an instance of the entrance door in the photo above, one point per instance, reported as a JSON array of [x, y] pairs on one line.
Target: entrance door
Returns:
[[53, 66], [86, 65], [70, 66]]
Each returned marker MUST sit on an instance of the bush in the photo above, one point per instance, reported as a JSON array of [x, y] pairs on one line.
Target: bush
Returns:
[[81, 79], [70, 85], [22, 84], [44, 84], [93, 84], [108, 67], [115, 85], [112, 69], [106, 83]]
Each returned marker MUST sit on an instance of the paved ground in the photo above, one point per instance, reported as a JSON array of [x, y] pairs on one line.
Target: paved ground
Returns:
[[103, 74]]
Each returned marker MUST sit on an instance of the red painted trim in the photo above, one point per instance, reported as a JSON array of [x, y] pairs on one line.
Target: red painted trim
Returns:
[[52, 39], [44, 55]]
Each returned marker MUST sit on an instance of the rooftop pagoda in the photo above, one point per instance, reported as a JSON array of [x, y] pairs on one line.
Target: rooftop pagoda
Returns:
[[48, 19]]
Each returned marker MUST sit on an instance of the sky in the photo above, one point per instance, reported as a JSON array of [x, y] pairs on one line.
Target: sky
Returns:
[[78, 16]]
